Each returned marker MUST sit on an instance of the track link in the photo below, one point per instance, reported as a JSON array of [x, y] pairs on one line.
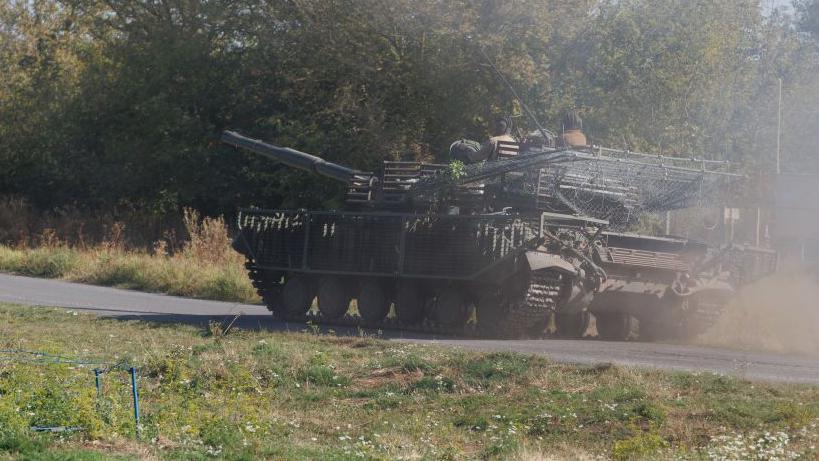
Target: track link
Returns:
[[267, 289]]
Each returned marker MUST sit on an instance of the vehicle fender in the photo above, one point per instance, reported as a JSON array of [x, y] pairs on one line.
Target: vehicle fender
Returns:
[[716, 287], [539, 260]]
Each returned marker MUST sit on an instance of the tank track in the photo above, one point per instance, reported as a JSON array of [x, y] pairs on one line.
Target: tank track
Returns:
[[526, 314], [703, 314], [267, 290], [684, 322]]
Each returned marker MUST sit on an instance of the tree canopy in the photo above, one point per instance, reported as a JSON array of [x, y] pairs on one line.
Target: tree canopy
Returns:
[[119, 103]]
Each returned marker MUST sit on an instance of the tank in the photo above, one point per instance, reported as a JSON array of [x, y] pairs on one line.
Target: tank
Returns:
[[668, 287], [516, 246], [403, 258], [655, 287]]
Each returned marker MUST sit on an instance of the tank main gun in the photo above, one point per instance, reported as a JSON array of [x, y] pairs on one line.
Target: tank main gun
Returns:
[[293, 158]]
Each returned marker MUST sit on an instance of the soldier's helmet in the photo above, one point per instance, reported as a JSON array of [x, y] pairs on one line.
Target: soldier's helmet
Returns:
[[502, 125], [572, 121]]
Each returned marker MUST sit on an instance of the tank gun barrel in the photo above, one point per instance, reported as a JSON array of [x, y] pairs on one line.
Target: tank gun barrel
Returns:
[[291, 157]]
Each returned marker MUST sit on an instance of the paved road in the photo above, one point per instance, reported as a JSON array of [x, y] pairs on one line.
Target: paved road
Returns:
[[132, 305]]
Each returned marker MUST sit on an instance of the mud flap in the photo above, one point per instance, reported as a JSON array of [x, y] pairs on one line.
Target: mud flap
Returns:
[[544, 261], [693, 312]]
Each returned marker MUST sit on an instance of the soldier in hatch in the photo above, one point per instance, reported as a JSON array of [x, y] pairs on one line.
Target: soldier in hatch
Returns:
[[471, 152], [501, 131], [573, 130]]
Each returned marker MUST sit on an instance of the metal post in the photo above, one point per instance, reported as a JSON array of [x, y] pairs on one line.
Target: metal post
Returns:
[[97, 373], [779, 130], [758, 225], [135, 393], [305, 251], [402, 245]]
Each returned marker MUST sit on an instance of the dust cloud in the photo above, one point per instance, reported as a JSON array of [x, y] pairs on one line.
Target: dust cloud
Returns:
[[777, 314]]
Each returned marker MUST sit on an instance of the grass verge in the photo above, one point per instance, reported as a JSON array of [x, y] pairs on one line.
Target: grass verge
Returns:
[[205, 267], [252, 395]]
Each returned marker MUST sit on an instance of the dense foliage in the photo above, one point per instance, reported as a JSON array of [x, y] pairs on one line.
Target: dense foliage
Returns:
[[111, 104]]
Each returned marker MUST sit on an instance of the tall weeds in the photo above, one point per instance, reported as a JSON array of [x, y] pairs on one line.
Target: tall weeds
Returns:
[[24, 225], [202, 266]]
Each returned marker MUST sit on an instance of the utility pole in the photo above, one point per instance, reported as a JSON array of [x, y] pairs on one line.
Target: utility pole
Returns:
[[758, 225], [778, 158], [779, 130]]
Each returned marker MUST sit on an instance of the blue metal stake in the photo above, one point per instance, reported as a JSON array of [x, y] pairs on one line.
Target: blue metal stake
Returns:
[[133, 371], [97, 373]]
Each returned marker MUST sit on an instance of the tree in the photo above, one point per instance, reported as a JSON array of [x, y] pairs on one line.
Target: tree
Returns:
[[119, 104], [808, 13]]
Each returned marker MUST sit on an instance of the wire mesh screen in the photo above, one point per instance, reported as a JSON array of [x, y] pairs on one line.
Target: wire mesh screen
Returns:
[[614, 185], [384, 243], [621, 191]]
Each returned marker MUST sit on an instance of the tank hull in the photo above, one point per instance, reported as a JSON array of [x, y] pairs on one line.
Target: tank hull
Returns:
[[484, 274], [669, 288]]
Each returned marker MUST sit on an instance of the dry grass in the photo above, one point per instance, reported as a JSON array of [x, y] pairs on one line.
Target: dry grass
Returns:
[[22, 225], [204, 267]]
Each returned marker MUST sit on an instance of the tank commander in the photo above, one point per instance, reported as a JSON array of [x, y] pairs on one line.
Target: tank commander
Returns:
[[501, 131], [468, 151], [572, 135]]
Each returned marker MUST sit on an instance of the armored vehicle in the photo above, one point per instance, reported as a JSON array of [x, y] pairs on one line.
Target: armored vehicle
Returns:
[[500, 273], [499, 247], [669, 287]]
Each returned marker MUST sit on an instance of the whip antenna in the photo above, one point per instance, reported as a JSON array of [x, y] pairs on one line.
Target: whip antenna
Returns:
[[511, 89]]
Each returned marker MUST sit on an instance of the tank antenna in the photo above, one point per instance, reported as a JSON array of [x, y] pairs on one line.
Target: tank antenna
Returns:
[[511, 89]]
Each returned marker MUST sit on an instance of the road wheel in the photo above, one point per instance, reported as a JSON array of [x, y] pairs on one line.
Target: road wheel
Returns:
[[409, 304], [373, 302], [491, 311], [297, 297], [615, 326], [572, 326], [333, 298], [451, 308]]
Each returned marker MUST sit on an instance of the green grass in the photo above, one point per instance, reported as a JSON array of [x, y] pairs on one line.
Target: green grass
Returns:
[[251, 395]]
